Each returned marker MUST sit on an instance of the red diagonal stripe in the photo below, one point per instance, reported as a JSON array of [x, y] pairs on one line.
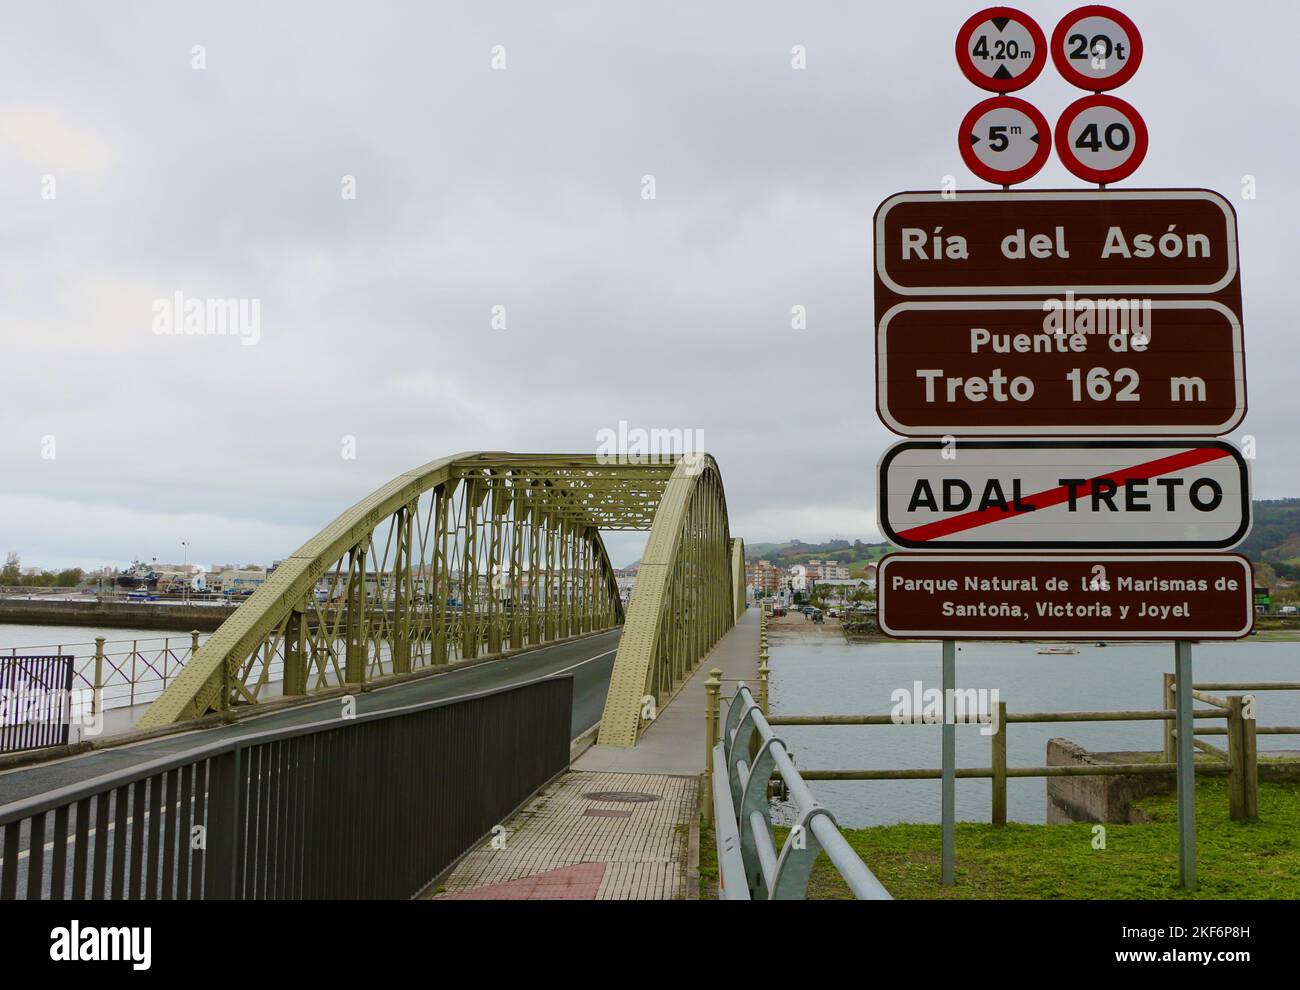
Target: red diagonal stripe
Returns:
[[1055, 496]]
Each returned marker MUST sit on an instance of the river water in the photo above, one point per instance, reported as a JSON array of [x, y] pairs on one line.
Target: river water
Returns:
[[825, 675], [81, 639]]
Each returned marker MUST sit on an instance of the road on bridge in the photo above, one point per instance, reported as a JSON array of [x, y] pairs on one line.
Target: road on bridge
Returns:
[[589, 661]]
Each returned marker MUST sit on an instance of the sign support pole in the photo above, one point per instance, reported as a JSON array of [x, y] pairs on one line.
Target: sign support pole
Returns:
[[1186, 768], [948, 856]]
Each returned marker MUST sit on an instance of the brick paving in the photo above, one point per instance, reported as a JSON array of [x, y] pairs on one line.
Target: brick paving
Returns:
[[555, 850], [564, 845]]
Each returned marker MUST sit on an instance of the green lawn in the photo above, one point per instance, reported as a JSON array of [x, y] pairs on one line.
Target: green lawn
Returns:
[[1235, 860]]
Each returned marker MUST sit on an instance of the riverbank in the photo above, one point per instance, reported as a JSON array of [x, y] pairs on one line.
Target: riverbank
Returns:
[[796, 626], [1235, 860], [132, 615]]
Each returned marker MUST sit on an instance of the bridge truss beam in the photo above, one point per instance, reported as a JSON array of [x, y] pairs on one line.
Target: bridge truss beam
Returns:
[[689, 591], [464, 557]]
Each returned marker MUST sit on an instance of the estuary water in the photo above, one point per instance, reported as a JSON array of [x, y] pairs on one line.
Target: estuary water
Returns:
[[825, 675]]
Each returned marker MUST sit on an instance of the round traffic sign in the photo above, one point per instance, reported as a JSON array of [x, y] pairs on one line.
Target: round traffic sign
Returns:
[[1096, 48], [1001, 49], [1004, 140], [1101, 138]]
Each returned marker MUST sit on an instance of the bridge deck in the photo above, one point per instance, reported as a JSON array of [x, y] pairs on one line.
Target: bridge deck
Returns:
[[674, 742], [568, 845]]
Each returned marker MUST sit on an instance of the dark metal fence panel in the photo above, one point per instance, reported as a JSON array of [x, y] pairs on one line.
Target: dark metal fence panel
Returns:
[[35, 701], [376, 806]]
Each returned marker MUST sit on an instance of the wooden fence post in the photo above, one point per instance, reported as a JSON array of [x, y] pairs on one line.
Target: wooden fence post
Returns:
[[999, 748], [1167, 703], [1249, 759], [1236, 761]]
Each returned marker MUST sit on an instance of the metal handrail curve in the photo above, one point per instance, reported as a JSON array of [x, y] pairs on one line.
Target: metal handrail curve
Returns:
[[750, 867]]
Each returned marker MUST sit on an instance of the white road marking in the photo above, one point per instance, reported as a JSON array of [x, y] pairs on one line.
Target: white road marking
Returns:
[[557, 673]]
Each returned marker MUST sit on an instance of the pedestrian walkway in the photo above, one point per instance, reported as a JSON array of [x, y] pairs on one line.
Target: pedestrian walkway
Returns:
[[622, 823], [588, 836], [674, 742]]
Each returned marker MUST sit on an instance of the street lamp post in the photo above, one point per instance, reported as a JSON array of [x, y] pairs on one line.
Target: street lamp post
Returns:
[[185, 567]]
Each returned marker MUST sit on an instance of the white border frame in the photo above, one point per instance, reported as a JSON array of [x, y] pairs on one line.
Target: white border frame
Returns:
[[1140, 429], [1100, 195]]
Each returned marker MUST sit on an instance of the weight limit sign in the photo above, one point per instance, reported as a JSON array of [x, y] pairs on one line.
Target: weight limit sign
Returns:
[[1096, 48], [1001, 49], [1004, 140]]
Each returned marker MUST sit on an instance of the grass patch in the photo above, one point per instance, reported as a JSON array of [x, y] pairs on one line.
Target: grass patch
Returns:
[[708, 863], [1235, 860]]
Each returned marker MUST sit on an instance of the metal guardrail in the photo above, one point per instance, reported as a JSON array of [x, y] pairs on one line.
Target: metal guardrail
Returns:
[[375, 806], [749, 864]]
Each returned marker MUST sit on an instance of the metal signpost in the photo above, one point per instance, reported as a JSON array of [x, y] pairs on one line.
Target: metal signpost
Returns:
[[1110, 320]]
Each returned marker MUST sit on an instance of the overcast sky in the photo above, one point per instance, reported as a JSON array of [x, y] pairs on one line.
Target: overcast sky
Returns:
[[520, 188]]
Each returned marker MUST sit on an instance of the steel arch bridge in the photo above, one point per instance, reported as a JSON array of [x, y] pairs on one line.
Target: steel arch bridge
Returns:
[[482, 554]]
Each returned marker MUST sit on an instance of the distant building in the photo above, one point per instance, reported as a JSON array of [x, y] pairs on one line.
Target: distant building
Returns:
[[764, 577], [241, 580], [827, 570], [846, 586]]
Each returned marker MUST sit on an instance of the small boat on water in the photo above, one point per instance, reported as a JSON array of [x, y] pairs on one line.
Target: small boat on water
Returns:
[[1057, 650]]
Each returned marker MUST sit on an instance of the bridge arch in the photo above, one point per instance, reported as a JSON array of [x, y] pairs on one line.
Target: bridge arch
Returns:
[[689, 590], [474, 555]]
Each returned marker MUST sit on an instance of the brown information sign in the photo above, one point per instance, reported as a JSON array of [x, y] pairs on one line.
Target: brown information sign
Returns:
[[986, 368], [1135, 242], [1002, 596]]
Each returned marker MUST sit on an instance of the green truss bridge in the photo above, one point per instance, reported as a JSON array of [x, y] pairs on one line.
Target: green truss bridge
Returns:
[[483, 555]]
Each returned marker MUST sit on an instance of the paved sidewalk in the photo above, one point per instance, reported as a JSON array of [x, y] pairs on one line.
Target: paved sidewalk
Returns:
[[674, 742], [588, 836], [619, 824]]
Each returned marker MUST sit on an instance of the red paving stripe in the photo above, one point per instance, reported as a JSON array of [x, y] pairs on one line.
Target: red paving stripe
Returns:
[[569, 883], [1055, 496]]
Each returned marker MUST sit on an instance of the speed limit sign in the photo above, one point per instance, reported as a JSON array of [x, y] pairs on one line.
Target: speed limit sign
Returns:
[[1004, 140], [1101, 139], [1096, 48], [1001, 49]]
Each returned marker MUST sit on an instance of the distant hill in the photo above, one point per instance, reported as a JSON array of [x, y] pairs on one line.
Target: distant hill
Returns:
[[793, 552], [1273, 545], [1274, 541]]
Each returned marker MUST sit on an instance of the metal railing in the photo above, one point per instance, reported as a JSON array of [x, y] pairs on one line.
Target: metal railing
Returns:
[[749, 864], [375, 806], [122, 672]]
